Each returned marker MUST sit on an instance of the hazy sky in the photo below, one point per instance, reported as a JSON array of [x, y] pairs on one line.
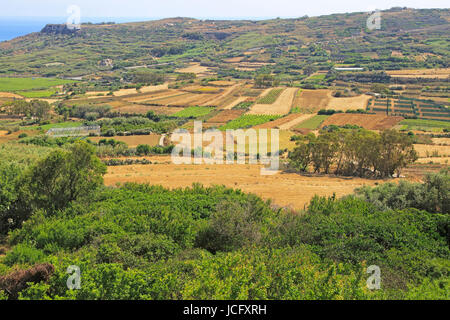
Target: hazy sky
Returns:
[[202, 8]]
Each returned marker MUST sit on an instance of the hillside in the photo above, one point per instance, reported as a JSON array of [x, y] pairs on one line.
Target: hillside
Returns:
[[408, 38]]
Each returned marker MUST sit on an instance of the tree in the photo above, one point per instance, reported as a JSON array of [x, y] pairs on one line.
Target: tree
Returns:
[[354, 152], [143, 149], [308, 70], [9, 174], [62, 177], [265, 80], [396, 151]]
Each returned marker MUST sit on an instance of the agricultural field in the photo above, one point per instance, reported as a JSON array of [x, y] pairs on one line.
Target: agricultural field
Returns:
[[133, 141], [225, 116], [22, 84], [366, 121], [248, 120], [293, 190], [311, 101], [281, 105], [312, 123], [424, 125], [441, 73], [270, 97], [284, 123], [410, 107], [193, 112]]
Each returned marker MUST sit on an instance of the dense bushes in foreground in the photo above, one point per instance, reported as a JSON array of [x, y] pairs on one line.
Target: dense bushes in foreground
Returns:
[[147, 242]]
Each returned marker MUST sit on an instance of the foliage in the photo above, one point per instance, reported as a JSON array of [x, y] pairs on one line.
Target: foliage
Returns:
[[432, 195], [354, 152], [63, 176]]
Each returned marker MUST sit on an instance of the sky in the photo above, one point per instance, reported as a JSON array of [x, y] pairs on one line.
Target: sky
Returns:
[[201, 8]]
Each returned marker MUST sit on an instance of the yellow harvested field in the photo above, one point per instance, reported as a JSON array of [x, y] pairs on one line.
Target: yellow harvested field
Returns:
[[152, 95], [443, 141], [147, 89], [292, 189], [3, 133], [350, 103], [142, 109], [194, 68], [281, 106], [426, 150], [133, 141], [441, 73], [9, 95], [440, 160], [311, 101], [223, 96], [127, 92], [234, 60]]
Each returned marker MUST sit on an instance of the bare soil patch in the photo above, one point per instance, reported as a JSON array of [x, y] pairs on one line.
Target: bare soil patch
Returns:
[[367, 121], [226, 115]]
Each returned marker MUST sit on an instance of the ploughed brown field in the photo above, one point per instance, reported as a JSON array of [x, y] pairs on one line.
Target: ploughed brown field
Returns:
[[311, 101], [367, 121], [285, 189]]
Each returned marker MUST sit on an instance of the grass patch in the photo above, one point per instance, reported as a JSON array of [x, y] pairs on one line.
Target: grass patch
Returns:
[[193, 112], [17, 84], [37, 94], [312, 123], [424, 125], [45, 127], [249, 120]]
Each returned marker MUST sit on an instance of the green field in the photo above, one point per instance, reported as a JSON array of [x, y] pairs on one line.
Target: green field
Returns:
[[248, 120], [424, 125], [68, 124], [37, 94], [193, 112], [312, 123], [18, 84]]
